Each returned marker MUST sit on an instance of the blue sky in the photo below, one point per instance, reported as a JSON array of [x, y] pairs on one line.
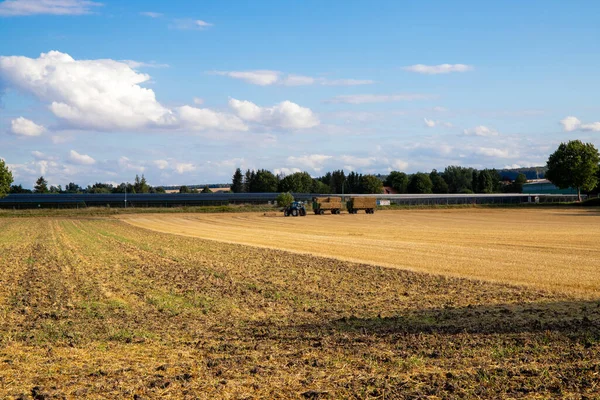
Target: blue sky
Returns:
[[184, 92]]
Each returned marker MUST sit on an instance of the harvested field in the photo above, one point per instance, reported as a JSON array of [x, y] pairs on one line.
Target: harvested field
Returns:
[[97, 308], [549, 249]]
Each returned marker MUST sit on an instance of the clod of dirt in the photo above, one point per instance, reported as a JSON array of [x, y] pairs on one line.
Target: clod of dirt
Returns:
[[314, 394], [38, 394]]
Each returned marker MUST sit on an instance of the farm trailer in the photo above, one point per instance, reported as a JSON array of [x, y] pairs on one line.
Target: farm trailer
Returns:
[[361, 203], [321, 204]]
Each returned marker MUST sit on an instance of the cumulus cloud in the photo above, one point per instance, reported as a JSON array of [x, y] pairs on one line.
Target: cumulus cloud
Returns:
[[88, 94], [438, 69], [377, 98], [270, 77], [107, 95], [480, 131], [573, 123], [286, 171], [356, 162], [24, 127], [283, 115], [202, 118], [429, 122], [11, 8], [81, 159]]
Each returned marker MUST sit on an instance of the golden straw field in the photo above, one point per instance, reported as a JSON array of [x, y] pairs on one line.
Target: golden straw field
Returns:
[[464, 303], [550, 249]]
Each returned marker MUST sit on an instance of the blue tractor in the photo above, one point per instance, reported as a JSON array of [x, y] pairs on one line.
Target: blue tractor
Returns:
[[295, 209]]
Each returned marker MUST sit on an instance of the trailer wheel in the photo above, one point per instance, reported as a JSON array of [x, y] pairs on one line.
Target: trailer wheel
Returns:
[[321, 212]]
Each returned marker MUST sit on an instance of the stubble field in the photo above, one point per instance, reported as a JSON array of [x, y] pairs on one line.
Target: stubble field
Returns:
[[100, 308]]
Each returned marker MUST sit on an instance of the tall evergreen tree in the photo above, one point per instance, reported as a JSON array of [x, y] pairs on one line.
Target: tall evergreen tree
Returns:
[[41, 185], [237, 181]]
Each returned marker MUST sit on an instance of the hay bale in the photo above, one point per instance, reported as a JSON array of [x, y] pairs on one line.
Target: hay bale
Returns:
[[364, 202]]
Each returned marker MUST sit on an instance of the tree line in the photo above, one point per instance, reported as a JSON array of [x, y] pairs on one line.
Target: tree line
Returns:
[[573, 165], [265, 181]]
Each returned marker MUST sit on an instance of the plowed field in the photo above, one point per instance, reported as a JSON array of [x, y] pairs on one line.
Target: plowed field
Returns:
[[98, 308], [549, 249]]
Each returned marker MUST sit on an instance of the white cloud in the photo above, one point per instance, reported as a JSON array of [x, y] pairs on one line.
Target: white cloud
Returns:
[[88, 94], [480, 131], [182, 168], [11, 8], [298, 80], [346, 82], [258, 77], [191, 24], [38, 155], [594, 126], [127, 164], [283, 115], [438, 69], [161, 164], [202, 119], [431, 123], [491, 152], [198, 101], [286, 171], [151, 14], [269, 77], [354, 162], [24, 127], [141, 64], [572, 123], [377, 98], [107, 95], [81, 159], [399, 165], [313, 161]]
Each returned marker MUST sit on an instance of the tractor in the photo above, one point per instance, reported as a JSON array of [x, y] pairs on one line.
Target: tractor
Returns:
[[295, 209]]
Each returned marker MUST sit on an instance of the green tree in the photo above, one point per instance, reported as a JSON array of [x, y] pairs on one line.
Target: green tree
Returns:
[[298, 182], [206, 189], [353, 183], [158, 189], [319, 187], [141, 185], [41, 185], [398, 181], [439, 184], [184, 189], [237, 181], [458, 178], [337, 181], [420, 183], [285, 199], [574, 164], [263, 181], [370, 184], [517, 185], [18, 189], [6, 178], [72, 188]]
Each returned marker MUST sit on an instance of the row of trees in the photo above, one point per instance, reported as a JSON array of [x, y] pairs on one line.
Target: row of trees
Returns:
[[572, 165], [139, 185], [264, 181], [454, 179]]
